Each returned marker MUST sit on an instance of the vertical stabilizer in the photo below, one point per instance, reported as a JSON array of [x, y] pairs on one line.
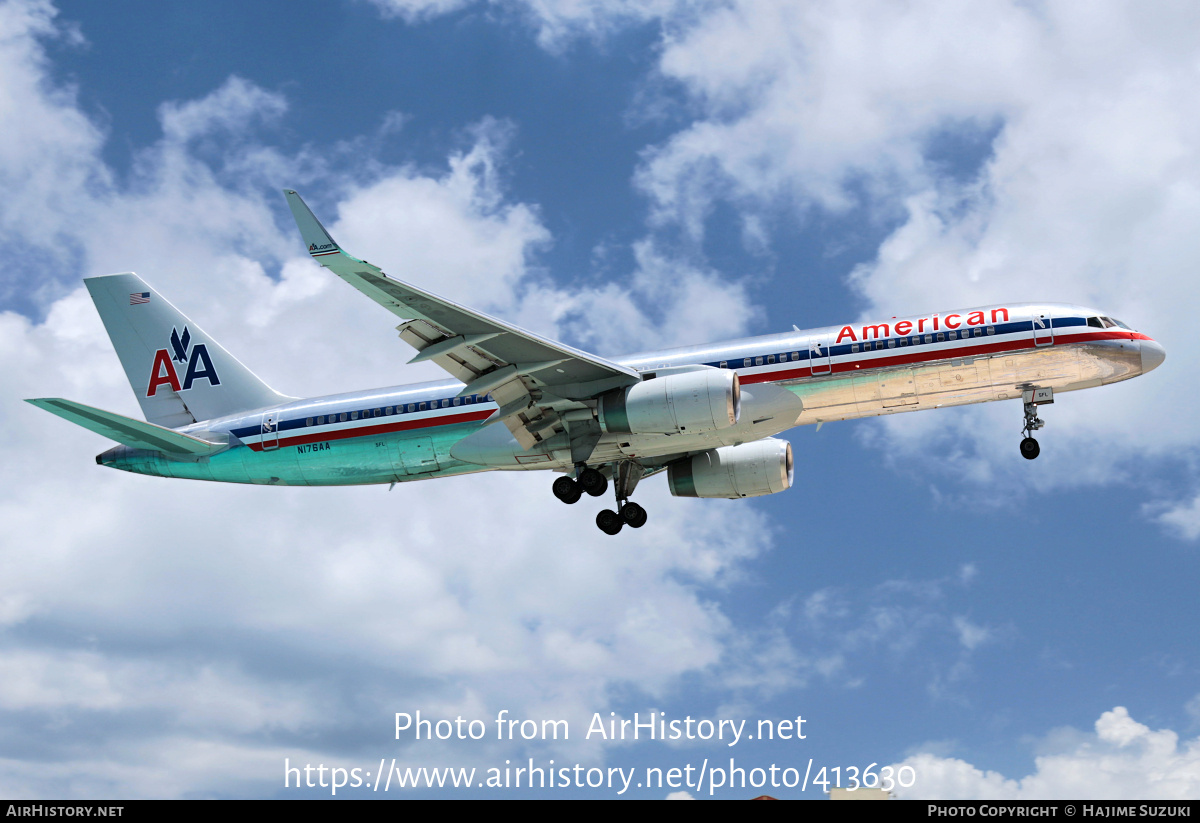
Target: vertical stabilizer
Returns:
[[179, 374]]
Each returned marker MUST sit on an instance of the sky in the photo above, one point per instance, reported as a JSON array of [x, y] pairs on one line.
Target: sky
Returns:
[[620, 176]]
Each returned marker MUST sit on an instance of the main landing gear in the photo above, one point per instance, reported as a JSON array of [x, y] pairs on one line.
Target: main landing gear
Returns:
[[590, 481], [626, 475], [1033, 398]]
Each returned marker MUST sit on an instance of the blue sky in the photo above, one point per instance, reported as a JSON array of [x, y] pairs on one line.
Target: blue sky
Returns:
[[622, 177]]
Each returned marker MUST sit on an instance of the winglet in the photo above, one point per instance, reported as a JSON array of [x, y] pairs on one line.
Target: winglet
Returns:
[[319, 243]]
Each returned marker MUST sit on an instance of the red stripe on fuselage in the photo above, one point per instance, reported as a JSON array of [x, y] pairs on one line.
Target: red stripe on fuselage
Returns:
[[795, 373], [930, 356], [384, 428]]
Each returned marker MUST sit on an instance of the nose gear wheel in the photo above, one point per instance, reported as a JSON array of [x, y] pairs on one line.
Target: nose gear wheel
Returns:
[[1033, 398]]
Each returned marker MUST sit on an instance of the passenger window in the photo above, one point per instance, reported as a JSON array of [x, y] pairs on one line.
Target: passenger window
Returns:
[[795, 355], [854, 348], [468, 400], [353, 415], [978, 333], [379, 412], [770, 358], [342, 417], [724, 364], [891, 344], [388, 411], [424, 406], [903, 341], [758, 361], [308, 422], [941, 337], [991, 329]]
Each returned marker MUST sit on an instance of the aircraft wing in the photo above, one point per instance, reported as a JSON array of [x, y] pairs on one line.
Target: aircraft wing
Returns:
[[534, 380]]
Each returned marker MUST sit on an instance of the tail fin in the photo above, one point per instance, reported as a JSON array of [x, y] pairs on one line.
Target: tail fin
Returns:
[[179, 374]]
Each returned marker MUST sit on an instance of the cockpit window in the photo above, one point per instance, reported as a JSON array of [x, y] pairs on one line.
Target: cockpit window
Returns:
[[1095, 322], [1120, 324]]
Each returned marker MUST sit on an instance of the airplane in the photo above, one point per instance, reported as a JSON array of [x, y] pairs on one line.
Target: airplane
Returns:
[[705, 415]]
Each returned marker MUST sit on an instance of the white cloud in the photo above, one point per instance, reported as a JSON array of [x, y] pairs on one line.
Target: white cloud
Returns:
[[48, 146], [229, 108], [841, 630], [1182, 517], [1087, 191], [1192, 707], [969, 634], [558, 22], [1086, 186], [166, 637], [1123, 760]]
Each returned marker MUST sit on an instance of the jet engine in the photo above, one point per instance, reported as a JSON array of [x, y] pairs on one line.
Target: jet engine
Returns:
[[748, 470], [691, 402]]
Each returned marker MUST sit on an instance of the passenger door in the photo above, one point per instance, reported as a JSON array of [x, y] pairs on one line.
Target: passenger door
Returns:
[[819, 361], [270, 430], [1043, 330]]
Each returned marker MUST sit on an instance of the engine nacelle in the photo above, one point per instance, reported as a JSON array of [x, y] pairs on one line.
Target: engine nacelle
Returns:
[[748, 470], [691, 402]]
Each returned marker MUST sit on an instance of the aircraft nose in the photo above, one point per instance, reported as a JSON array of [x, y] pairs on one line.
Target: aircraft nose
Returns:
[[1152, 355]]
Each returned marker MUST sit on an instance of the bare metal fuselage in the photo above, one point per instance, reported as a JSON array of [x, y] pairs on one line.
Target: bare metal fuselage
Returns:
[[836, 373]]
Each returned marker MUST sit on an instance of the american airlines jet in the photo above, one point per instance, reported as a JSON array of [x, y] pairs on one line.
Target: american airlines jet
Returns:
[[706, 415]]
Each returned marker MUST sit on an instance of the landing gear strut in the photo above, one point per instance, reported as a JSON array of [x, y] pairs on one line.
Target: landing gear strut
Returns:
[[1033, 398], [626, 475]]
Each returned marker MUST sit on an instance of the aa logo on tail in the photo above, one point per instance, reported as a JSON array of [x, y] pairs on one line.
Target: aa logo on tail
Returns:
[[199, 364]]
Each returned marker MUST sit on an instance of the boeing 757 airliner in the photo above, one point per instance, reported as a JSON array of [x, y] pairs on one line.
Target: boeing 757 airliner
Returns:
[[706, 415]]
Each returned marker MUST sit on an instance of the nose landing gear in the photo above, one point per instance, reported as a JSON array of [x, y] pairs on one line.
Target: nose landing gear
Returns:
[[1033, 398]]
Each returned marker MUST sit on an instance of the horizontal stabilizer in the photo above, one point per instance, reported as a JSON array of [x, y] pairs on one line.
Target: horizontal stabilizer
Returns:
[[136, 434]]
